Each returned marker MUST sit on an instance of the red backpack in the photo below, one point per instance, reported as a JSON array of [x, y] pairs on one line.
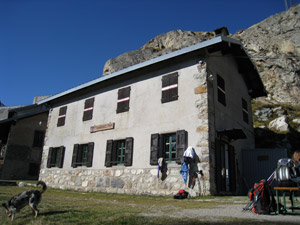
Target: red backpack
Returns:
[[261, 198], [181, 194]]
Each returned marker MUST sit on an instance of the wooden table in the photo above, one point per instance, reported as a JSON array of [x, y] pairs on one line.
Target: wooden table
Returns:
[[292, 191]]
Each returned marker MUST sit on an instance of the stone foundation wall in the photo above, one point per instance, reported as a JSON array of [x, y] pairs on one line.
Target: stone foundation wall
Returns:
[[121, 180]]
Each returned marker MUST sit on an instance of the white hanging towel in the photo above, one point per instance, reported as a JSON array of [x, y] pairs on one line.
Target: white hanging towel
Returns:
[[189, 152]]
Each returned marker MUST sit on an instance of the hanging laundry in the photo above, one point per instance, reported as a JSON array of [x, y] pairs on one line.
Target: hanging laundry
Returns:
[[184, 171], [160, 162], [189, 152]]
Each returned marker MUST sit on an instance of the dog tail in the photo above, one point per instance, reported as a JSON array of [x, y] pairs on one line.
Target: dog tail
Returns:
[[44, 186]]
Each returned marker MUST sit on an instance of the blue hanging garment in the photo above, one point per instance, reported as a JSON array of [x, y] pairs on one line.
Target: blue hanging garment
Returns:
[[184, 172], [160, 163]]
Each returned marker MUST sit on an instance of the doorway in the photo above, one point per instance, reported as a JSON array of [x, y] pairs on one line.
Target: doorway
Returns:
[[225, 167]]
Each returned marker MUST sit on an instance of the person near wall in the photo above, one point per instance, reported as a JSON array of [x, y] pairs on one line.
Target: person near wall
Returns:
[[189, 154], [296, 158], [188, 157]]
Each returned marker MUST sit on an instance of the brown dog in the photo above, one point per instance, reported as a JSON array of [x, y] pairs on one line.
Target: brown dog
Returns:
[[31, 198]]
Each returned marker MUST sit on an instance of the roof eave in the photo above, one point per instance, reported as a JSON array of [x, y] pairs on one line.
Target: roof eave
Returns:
[[150, 62]]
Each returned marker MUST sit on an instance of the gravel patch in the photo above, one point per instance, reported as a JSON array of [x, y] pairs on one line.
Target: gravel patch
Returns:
[[228, 212]]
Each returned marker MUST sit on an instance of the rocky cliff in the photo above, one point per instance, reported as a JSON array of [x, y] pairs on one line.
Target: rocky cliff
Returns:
[[160, 45], [274, 46]]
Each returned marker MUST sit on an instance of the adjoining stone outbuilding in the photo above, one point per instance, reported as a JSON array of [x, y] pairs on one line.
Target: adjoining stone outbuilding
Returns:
[[106, 135], [21, 141]]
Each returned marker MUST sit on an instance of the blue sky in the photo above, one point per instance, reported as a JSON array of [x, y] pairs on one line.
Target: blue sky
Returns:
[[49, 46]]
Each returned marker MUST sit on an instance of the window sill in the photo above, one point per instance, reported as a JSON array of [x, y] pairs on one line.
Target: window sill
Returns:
[[118, 166], [173, 165]]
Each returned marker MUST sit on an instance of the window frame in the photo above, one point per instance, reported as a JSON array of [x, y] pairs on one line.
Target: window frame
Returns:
[[169, 151], [62, 116], [245, 111], [123, 100], [88, 109], [56, 157], [83, 155], [38, 139], [169, 90], [157, 146], [118, 156], [221, 90], [113, 154]]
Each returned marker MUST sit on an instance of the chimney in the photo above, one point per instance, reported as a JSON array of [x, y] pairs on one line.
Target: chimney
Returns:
[[222, 31]]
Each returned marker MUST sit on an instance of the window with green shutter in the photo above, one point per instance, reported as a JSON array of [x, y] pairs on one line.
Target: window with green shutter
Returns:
[[119, 152], [83, 155], [56, 157], [170, 146]]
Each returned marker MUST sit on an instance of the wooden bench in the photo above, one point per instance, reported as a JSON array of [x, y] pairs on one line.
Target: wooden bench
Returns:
[[292, 191]]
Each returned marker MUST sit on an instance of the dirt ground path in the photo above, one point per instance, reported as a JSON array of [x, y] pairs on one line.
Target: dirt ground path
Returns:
[[232, 210]]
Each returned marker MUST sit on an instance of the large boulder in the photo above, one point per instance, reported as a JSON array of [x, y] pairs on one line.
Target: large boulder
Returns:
[[279, 124], [160, 45]]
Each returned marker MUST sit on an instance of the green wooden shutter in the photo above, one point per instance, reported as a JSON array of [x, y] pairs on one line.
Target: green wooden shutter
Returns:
[[155, 147], [49, 158], [128, 151], [90, 154], [61, 156], [232, 173], [109, 147], [181, 144], [74, 158]]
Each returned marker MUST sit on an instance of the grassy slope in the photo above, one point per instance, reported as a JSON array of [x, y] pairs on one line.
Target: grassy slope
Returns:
[[70, 207]]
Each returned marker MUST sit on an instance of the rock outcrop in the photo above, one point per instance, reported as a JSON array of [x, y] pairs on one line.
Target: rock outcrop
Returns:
[[160, 45], [279, 124], [273, 44]]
